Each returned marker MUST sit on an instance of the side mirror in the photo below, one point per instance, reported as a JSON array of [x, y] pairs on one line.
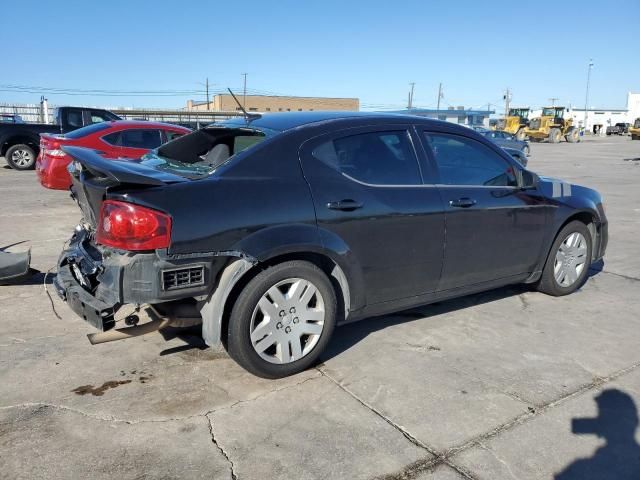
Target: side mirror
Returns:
[[528, 180]]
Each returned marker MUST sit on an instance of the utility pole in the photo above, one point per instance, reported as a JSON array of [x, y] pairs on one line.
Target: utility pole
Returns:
[[244, 93], [207, 87], [553, 101], [410, 102], [507, 100], [586, 98], [440, 95]]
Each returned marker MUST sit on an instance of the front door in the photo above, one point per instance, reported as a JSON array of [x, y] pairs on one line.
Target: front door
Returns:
[[494, 230], [369, 196]]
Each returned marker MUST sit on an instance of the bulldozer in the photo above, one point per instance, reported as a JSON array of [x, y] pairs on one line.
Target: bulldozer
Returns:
[[516, 122], [635, 130], [552, 125]]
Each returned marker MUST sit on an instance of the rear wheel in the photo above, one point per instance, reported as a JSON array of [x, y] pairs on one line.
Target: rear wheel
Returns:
[[282, 320], [567, 265], [20, 157], [635, 137], [554, 135], [572, 135]]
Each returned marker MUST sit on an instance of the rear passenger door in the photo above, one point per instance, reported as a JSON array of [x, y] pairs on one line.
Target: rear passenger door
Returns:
[[371, 202], [494, 230]]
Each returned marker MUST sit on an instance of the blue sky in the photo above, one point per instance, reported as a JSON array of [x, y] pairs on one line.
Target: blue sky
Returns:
[[367, 49]]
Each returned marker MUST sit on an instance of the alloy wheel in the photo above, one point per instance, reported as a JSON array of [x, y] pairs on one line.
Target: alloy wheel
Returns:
[[22, 158]]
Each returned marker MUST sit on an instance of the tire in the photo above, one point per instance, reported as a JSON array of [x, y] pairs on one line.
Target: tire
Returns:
[[272, 357], [520, 135], [21, 157], [554, 135], [572, 135], [635, 137], [551, 281]]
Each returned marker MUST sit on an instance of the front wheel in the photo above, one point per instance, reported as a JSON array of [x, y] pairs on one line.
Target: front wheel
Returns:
[[572, 135], [282, 320], [20, 157], [567, 265]]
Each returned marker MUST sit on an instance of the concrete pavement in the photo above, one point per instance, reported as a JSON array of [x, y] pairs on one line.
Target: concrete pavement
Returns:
[[484, 387]]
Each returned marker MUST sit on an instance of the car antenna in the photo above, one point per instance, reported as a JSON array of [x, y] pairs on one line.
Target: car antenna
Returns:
[[246, 115]]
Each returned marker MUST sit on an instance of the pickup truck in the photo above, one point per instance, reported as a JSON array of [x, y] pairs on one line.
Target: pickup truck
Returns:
[[19, 142], [618, 129]]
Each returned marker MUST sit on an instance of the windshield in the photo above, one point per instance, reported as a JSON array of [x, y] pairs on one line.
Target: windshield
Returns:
[[200, 153], [551, 112], [636, 124], [88, 130]]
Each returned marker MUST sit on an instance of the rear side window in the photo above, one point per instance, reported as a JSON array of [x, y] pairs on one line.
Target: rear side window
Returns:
[[378, 158], [172, 135], [74, 118], [464, 161], [141, 138]]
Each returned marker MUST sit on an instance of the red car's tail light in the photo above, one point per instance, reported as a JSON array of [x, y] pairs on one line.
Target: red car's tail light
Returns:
[[132, 227]]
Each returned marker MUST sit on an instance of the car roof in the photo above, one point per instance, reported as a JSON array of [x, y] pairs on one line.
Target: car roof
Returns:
[[288, 120], [144, 124]]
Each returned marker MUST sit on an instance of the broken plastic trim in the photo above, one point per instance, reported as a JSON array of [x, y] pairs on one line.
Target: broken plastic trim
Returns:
[[221, 253]]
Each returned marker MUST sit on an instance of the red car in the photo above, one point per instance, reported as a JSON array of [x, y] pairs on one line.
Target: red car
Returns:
[[117, 139]]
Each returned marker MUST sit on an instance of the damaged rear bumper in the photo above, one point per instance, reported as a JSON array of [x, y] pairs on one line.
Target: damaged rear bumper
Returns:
[[97, 281]]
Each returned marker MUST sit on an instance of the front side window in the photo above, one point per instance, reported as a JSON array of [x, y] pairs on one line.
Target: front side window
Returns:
[[378, 158], [464, 161], [140, 138]]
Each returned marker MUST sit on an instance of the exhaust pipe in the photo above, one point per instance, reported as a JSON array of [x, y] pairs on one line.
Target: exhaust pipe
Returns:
[[123, 333], [159, 321]]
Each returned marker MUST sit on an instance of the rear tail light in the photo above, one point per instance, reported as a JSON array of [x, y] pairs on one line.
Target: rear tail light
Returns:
[[131, 227], [51, 148], [55, 153]]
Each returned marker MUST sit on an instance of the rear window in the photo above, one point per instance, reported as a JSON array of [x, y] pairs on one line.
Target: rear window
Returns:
[[88, 130], [200, 153]]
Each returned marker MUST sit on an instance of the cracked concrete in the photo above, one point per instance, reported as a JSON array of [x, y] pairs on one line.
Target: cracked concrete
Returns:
[[483, 387]]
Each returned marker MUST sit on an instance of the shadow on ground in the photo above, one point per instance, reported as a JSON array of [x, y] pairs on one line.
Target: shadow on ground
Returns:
[[616, 423], [350, 334]]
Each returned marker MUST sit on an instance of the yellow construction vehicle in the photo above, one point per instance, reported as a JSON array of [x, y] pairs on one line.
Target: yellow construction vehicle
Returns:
[[552, 126], [635, 130], [516, 122]]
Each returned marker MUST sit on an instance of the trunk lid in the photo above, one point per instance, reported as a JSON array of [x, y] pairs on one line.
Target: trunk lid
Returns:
[[93, 177]]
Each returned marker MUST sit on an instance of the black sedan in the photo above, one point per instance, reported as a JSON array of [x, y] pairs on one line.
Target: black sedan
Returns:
[[271, 230]]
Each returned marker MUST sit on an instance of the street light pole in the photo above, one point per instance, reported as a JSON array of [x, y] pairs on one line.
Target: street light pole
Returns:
[[586, 98]]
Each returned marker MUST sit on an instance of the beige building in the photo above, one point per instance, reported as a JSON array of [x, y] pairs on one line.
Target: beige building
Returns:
[[268, 103]]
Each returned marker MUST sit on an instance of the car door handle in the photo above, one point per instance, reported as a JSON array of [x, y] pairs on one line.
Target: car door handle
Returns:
[[462, 203], [345, 205]]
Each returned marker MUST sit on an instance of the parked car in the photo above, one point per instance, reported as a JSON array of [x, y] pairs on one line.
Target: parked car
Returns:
[[116, 139], [19, 142], [618, 129], [272, 230], [518, 155], [506, 139], [10, 118]]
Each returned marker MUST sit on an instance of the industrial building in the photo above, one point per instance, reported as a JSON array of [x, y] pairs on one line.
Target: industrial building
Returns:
[[274, 103], [460, 115]]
